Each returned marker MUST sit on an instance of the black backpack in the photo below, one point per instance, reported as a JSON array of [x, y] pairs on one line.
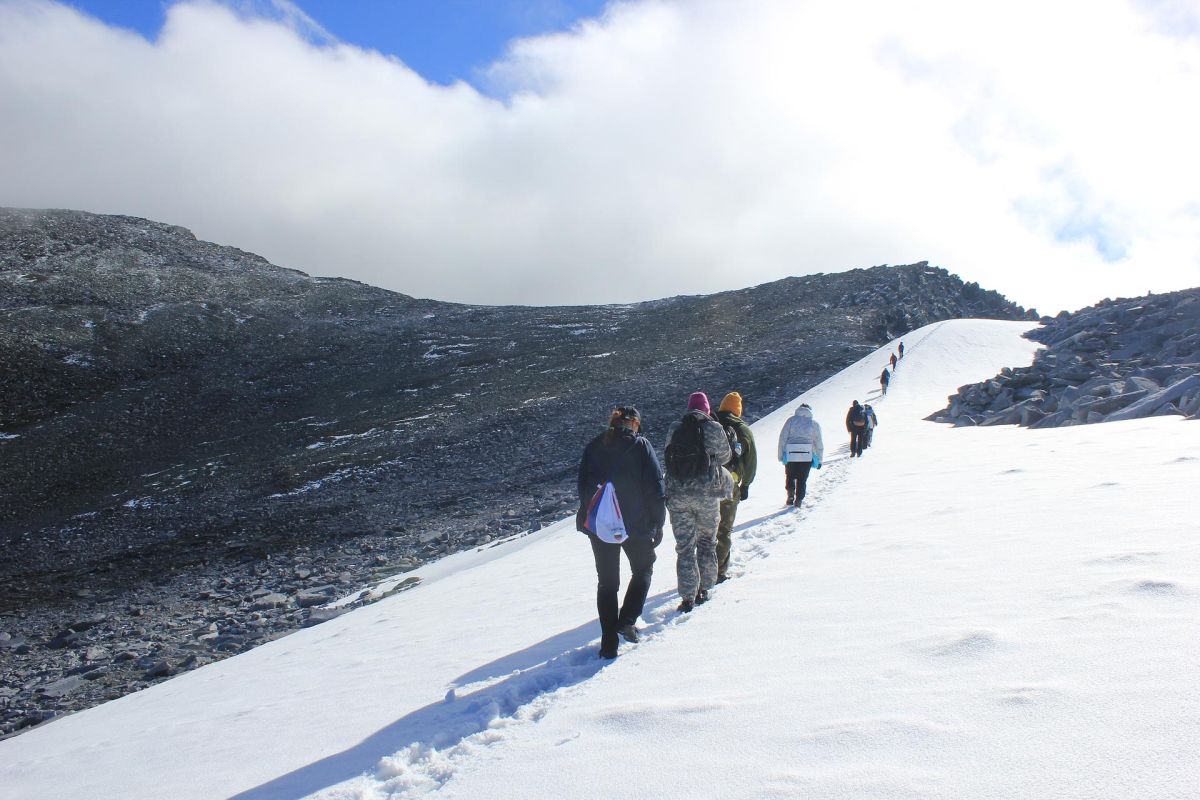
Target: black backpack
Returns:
[[687, 458], [858, 417], [735, 459]]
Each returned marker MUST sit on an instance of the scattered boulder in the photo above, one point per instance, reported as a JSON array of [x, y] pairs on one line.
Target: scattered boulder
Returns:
[[315, 616], [67, 638], [158, 668], [87, 623], [64, 687], [269, 601], [308, 599]]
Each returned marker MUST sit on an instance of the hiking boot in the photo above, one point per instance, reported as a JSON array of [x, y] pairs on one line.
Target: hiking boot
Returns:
[[686, 605], [702, 597], [722, 578], [791, 500], [629, 633], [608, 645]]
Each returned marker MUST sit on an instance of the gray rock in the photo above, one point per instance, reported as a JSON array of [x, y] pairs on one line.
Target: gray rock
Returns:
[[64, 687], [159, 668], [307, 599], [67, 638], [11, 642], [315, 616], [269, 601], [1151, 404], [88, 623]]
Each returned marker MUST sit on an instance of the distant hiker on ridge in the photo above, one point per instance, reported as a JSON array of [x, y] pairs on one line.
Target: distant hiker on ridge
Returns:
[[623, 457], [894, 360], [901, 349], [743, 468], [884, 379], [872, 421], [696, 484], [856, 424], [800, 449]]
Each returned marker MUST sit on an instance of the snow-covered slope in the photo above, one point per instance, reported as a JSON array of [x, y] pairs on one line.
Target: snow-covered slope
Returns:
[[963, 613]]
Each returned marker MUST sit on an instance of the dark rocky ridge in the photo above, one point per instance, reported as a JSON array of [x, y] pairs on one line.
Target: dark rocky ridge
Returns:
[[186, 429], [1119, 359]]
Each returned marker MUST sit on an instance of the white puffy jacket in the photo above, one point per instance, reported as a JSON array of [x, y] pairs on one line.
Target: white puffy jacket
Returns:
[[801, 438]]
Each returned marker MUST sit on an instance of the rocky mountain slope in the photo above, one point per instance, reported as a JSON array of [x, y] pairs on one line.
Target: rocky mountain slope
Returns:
[[1119, 359], [198, 447]]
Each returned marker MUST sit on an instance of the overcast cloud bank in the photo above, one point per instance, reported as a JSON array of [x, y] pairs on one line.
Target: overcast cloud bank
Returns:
[[667, 148]]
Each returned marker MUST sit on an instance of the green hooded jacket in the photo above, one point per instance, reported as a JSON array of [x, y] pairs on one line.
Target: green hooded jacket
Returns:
[[745, 465]]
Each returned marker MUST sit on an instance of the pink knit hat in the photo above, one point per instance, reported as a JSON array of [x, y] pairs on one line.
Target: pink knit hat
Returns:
[[699, 402]]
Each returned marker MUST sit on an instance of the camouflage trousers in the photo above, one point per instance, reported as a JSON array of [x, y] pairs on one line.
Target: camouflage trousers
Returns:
[[694, 521], [725, 533]]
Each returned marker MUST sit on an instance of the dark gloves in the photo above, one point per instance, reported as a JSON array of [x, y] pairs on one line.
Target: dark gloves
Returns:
[[656, 536], [745, 491]]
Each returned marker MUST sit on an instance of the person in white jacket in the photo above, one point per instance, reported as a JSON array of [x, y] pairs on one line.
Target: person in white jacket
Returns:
[[800, 446]]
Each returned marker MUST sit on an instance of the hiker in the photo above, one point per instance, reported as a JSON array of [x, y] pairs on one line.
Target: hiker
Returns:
[[696, 484], [800, 449], [884, 379], [901, 349], [894, 359], [626, 458], [856, 424], [872, 421], [742, 467]]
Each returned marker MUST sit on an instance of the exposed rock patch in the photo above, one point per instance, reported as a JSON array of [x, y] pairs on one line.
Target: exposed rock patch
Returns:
[[1117, 360]]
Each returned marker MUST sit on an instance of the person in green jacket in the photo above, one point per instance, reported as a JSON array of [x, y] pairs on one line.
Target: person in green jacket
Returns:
[[743, 466]]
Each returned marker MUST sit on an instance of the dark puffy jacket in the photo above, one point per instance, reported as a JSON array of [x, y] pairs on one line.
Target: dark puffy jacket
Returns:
[[856, 412], [637, 477]]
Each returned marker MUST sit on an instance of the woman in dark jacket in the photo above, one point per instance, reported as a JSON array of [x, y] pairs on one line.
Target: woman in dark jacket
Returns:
[[627, 459]]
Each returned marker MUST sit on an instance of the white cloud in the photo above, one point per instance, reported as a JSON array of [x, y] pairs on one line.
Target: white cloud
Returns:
[[1045, 150]]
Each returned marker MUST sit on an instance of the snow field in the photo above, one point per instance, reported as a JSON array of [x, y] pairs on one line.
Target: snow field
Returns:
[[962, 613]]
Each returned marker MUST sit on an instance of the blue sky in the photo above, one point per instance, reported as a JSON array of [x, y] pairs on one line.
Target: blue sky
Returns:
[[443, 40]]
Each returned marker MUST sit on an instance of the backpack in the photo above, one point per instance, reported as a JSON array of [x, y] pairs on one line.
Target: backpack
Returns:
[[687, 458], [604, 515], [735, 447], [858, 417]]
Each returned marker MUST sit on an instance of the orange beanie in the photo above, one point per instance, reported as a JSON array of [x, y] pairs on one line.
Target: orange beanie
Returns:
[[732, 403]]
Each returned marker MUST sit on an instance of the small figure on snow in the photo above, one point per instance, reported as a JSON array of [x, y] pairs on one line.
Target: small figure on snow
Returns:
[[697, 447], [800, 450], [856, 425], [885, 378], [742, 467], [622, 456]]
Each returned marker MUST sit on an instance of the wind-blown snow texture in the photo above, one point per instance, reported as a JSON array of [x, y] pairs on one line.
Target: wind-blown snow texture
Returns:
[[963, 613]]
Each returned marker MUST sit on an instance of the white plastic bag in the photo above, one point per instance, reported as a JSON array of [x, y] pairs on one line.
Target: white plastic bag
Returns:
[[605, 518]]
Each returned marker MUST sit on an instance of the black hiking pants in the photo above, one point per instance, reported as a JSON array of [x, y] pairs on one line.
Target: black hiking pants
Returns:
[[796, 473], [856, 441], [640, 552]]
